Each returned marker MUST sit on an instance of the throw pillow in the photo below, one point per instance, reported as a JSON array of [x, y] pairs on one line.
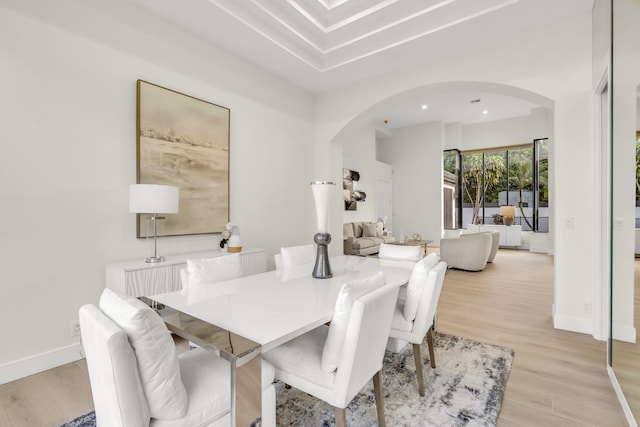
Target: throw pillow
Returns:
[[212, 270], [155, 353], [349, 292], [369, 229], [416, 285], [379, 229]]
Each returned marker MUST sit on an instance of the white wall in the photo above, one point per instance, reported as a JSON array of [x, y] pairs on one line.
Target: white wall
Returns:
[[359, 154], [67, 79], [506, 132], [416, 157], [553, 62]]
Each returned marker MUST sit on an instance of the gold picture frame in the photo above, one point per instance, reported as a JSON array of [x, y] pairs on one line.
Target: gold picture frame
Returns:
[[183, 141]]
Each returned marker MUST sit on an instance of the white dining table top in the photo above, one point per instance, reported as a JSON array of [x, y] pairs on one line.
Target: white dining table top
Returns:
[[273, 307]]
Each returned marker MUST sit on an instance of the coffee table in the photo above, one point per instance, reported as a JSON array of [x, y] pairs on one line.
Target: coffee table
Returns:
[[411, 242]]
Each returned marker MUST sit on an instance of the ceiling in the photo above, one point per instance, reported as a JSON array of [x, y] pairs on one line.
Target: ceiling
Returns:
[[321, 45]]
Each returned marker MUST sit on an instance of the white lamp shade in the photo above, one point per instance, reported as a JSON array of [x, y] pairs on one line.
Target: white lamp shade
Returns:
[[152, 198], [321, 195], [508, 210]]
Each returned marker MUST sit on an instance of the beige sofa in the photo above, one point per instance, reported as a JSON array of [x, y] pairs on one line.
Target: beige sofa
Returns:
[[364, 238]]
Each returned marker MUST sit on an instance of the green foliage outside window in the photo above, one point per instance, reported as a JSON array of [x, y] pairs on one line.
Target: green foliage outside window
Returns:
[[485, 176]]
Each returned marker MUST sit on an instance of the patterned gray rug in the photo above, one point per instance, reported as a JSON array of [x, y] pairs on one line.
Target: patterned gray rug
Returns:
[[465, 389]]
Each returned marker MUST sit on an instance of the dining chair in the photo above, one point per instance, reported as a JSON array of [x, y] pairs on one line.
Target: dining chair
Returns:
[[333, 363], [137, 378], [389, 251], [295, 255], [211, 270], [414, 317]]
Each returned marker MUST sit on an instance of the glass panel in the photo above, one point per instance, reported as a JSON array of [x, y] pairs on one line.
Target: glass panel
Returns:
[[521, 185], [451, 189], [496, 189], [472, 178], [542, 194]]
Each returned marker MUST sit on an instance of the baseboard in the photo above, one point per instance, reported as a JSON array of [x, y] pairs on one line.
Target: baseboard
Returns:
[[621, 398], [573, 324], [624, 333], [40, 362]]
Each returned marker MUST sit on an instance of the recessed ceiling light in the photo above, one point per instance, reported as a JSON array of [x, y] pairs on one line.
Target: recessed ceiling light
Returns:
[[485, 111], [425, 106]]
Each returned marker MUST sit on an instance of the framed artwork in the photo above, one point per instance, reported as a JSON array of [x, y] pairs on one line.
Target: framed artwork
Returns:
[[352, 195], [183, 141]]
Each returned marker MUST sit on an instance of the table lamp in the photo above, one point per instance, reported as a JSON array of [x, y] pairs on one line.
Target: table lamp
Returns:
[[508, 214], [321, 195], [153, 199]]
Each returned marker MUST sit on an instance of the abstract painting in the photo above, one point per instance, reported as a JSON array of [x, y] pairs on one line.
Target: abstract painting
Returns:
[[352, 195], [184, 141]]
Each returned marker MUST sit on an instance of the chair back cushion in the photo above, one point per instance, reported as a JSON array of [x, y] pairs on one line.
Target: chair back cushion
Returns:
[[365, 342], [348, 293], [399, 252], [296, 255], [118, 397], [155, 353], [213, 270], [416, 286], [429, 302]]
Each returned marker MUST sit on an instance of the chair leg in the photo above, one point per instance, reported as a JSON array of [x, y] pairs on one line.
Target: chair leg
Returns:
[[341, 417], [417, 357], [377, 389], [432, 354]]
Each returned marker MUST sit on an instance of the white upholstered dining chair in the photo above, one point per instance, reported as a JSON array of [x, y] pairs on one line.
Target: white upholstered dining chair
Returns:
[[137, 379], [399, 253], [414, 316], [211, 270], [295, 255], [334, 362]]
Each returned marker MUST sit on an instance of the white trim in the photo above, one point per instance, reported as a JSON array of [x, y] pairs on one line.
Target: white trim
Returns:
[[602, 202], [573, 324], [621, 398], [21, 368]]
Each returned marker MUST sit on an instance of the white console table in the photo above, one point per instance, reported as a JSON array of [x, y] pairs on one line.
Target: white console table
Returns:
[[139, 278], [509, 235]]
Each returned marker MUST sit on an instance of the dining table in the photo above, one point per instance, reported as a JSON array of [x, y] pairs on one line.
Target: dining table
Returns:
[[238, 319]]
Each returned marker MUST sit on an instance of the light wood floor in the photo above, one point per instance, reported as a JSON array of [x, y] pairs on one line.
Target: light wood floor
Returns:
[[558, 378]]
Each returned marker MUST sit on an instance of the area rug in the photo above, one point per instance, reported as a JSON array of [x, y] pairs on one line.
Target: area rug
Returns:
[[465, 389]]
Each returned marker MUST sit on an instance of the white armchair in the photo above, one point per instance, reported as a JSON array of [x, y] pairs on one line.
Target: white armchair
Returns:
[[138, 380], [334, 362], [495, 242], [413, 317], [470, 253]]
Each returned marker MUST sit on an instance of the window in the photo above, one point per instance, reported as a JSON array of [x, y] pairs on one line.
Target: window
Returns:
[[451, 184], [516, 176]]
